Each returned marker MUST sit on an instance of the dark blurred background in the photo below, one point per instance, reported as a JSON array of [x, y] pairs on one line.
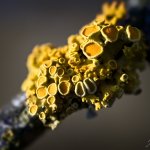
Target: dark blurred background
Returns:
[[25, 23]]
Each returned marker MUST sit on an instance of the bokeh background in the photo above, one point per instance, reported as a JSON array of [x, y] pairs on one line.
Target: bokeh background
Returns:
[[25, 23]]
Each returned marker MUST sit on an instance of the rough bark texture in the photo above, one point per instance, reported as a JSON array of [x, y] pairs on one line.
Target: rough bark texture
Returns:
[[17, 128]]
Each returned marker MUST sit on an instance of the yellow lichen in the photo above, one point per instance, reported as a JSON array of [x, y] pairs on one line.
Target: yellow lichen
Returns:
[[42, 70], [41, 80], [98, 65], [107, 96], [42, 116], [47, 63], [41, 92], [97, 106], [104, 104], [92, 49], [52, 70], [89, 30], [62, 60], [33, 110], [76, 78], [90, 85], [64, 87], [124, 77], [70, 71], [112, 12], [51, 100], [110, 33], [133, 33], [80, 89], [64, 78], [60, 72], [31, 101], [52, 89]]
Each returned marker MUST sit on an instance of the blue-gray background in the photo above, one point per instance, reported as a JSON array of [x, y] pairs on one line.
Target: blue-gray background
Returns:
[[25, 23]]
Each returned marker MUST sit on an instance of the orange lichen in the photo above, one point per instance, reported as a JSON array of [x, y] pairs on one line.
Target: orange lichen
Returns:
[[52, 70], [92, 50], [89, 30], [96, 66], [41, 92], [51, 100], [52, 89], [33, 110], [110, 33]]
